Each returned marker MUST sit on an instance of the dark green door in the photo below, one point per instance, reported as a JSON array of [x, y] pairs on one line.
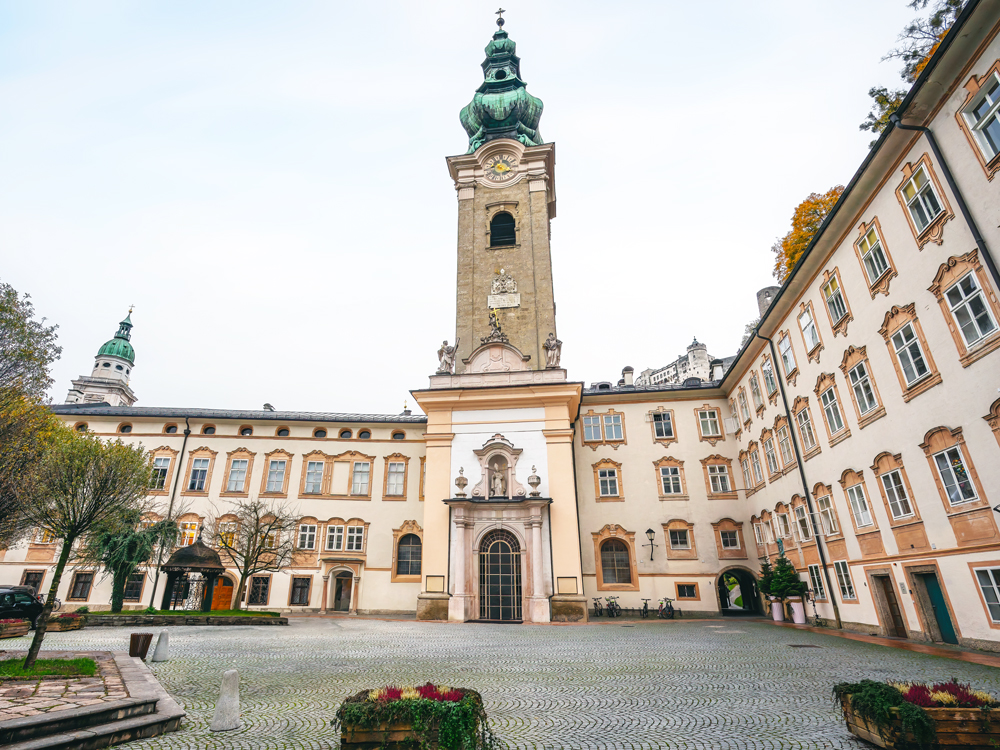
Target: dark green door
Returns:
[[940, 608]]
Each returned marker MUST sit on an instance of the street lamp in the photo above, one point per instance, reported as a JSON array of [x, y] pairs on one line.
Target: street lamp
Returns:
[[650, 535]]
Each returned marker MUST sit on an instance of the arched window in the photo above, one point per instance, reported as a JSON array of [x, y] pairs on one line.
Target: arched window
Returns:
[[615, 564], [125, 428], [502, 230], [283, 432], [81, 427], [320, 433], [246, 431], [208, 430], [170, 429], [345, 434], [364, 435], [399, 435], [408, 556]]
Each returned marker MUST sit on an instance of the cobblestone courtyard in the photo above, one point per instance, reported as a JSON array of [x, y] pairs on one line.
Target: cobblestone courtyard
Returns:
[[713, 684]]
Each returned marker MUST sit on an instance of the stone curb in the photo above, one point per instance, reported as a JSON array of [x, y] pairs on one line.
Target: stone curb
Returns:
[[120, 621]]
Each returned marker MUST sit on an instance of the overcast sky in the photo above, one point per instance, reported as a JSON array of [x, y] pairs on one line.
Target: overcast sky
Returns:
[[266, 181]]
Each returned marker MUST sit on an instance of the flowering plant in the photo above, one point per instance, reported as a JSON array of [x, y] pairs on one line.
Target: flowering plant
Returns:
[[944, 694], [430, 692], [11, 622], [69, 616]]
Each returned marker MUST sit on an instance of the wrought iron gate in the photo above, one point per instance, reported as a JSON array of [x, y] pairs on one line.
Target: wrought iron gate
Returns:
[[500, 577]]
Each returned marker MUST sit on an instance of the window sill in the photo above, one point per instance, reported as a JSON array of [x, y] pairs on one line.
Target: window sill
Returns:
[[723, 496], [394, 498], [503, 247], [981, 348], [712, 439], [815, 352], [665, 442], [405, 579], [840, 436], [675, 497], [924, 384], [791, 377], [610, 499], [871, 416], [840, 327], [812, 453], [234, 494], [933, 232], [617, 586], [881, 284]]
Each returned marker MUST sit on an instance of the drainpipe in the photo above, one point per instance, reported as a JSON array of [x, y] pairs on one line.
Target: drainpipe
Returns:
[[170, 508], [950, 179], [802, 476]]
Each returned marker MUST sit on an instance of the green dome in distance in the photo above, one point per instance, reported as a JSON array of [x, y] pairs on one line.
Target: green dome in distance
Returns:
[[119, 346]]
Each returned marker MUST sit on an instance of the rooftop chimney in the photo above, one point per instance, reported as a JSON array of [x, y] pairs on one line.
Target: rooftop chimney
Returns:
[[627, 374]]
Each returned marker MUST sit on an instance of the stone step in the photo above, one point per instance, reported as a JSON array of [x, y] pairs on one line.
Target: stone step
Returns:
[[59, 722]]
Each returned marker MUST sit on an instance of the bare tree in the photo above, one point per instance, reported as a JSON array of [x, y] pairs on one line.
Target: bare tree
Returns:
[[254, 536], [80, 484]]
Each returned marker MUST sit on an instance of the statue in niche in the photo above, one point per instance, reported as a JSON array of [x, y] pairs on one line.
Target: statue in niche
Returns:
[[553, 351], [498, 482], [446, 358]]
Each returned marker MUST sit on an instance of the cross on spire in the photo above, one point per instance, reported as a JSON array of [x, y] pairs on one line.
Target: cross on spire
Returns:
[[499, 15]]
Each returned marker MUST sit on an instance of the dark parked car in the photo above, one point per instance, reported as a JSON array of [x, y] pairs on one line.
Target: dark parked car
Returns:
[[20, 603]]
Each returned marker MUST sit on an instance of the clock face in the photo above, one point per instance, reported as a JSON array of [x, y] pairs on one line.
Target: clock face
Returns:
[[500, 168]]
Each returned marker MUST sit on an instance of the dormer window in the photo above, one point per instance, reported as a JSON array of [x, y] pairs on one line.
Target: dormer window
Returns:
[[283, 432], [119, 368], [106, 364], [246, 431], [502, 230]]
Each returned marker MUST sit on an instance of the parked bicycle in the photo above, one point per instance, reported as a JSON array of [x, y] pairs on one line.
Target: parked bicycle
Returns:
[[598, 609], [644, 612], [666, 609], [612, 606]]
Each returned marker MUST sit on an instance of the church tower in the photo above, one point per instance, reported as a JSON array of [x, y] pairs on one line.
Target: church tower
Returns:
[[108, 383], [506, 199]]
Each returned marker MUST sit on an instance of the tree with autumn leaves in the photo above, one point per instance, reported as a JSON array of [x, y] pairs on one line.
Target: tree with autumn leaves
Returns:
[[806, 221]]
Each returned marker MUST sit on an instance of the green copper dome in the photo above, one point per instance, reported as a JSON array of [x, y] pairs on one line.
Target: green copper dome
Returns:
[[119, 346], [502, 106]]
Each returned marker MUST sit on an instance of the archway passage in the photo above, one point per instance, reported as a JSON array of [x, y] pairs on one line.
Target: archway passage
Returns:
[[222, 594], [500, 577], [738, 593]]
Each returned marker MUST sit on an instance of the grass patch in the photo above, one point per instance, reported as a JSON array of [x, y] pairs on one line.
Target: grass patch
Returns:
[[12, 668], [188, 613]]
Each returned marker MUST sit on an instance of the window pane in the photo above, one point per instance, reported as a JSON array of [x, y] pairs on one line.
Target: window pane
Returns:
[[408, 555], [592, 428], [991, 591], [237, 475], [615, 566], [859, 506], [679, 539], [612, 427], [359, 481], [957, 483], [314, 477], [895, 492], [670, 479], [276, 476]]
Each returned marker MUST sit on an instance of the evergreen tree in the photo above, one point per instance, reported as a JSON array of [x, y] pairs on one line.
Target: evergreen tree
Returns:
[[786, 581], [766, 576]]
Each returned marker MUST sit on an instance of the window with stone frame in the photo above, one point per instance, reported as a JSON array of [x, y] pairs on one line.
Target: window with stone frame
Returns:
[[260, 587], [394, 483], [161, 469], [199, 475], [787, 357], [784, 442], [679, 539], [719, 477], [592, 429], [408, 555], [757, 473], [275, 476], [613, 431], [907, 346], [827, 515], [226, 532], [314, 477], [679, 535], [979, 117], [755, 394], [770, 457], [860, 508], [768, 371], [922, 200], [896, 495], [687, 591], [832, 415], [709, 424], [874, 257], [355, 538], [604, 429], [784, 526], [810, 445], [803, 524], [237, 478], [670, 475], [133, 587], [335, 537], [83, 581], [663, 425], [188, 533], [729, 539], [969, 305], [307, 536], [816, 582], [844, 580], [609, 482], [988, 579], [810, 333], [745, 465], [300, 591], [361, 478], [836, 303], [616, 566]]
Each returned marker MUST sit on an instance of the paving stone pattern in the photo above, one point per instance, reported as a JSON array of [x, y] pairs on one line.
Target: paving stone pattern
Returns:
[[689, 685], [31, 697]]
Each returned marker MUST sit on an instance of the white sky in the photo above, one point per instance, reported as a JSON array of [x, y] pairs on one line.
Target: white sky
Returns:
[[266, 181]]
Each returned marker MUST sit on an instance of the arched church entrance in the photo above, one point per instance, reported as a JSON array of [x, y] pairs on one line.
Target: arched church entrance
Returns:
[[222, 594], [500, 577], [738, 593]]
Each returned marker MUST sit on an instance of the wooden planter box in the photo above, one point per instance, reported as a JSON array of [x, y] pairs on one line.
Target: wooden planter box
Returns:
[[401, 737], [62, 624], [13, 630], [966, 728]]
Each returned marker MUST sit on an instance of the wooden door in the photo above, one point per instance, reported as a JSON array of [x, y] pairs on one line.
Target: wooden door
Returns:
[[222, 595], [342, 594], [896, 625], [939, 607]]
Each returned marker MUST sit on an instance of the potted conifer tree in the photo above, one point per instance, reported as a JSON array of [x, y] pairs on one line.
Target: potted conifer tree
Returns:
[[764, 584], [787, 586]]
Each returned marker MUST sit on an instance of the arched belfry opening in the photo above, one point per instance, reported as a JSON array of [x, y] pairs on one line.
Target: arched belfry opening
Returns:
[[503, 230], [500, 577]]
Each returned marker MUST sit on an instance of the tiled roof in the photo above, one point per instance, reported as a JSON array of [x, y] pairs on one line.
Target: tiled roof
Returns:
[[166, 412]]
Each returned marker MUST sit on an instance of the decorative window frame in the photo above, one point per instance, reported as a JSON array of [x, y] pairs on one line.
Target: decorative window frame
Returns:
[[838, 326], [852, 478], [975, 83], [341, 554], [665, 442], [950, 273], [728, 524], [278, 454], [677, 591], [164, 431], [303, 556], [772, 397], [717, 460], [993, 419], [324, 487], [886, 463], [395, 458], [781, 420], [72, 585], [239, 430], [825, 490], [291, 588], [710, 439], [973, 567], [824, 383], [765, 435], [41, 581], [934, 232], [800, 404], [895, 319], [744, 403], [853, 356], [942, 438], [792, 374], [794, 504], [752, 448], [238, 453], [594, 444], [785, 509], [165, 451], [679, 524], [614, 531], [755, 381], [349, 457], [281, 427], [881, 284], [674, 463], [211, 426], [607, 463], [202, 452], [813, 353], [492, 209], [407, 527]]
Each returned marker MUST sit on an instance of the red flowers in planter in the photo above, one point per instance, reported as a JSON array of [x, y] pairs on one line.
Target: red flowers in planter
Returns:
[[69, 616], [430, 692], [944, 694], [12, 622]]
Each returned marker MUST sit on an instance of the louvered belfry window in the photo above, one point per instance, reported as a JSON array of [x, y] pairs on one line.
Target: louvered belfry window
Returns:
[[502, 230]]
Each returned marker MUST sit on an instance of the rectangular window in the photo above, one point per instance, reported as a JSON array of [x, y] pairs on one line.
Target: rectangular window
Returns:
[[802, 521], [864, 394], [133, 587], [355, 538], [983, 117], [832, 410], [189, 532], [335, 538], [746, 473], [237, 475], [227, 533], [844, 579], [785, 446], [300, 591], [307, 536], [825, 505], [32, 579], [758, 475], [275, 476], [592, 429], [360, 479], [259, 589], [816, 579], [872, 256], [608, 479], [954, 477], [909, 353], [859, 506], [613, 427], [770, 457], [397, 475], [989, 584], [769, 382], [679, 539], [709, 419], [314, 477], [809, 332], [663, 426], [835, 300], [718, 477], [787, 355], [758, 399], [744, 411], [784, 527], [81, 586], [670, 479], [806, 430], [730, 539], [161, 466], [758, 534], [921, 199], [199, 472], [968, 306], [687, 591], [895, 492]]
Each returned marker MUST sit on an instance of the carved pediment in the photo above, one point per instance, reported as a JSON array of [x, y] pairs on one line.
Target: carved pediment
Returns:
[[498, 469], [496, 357]]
